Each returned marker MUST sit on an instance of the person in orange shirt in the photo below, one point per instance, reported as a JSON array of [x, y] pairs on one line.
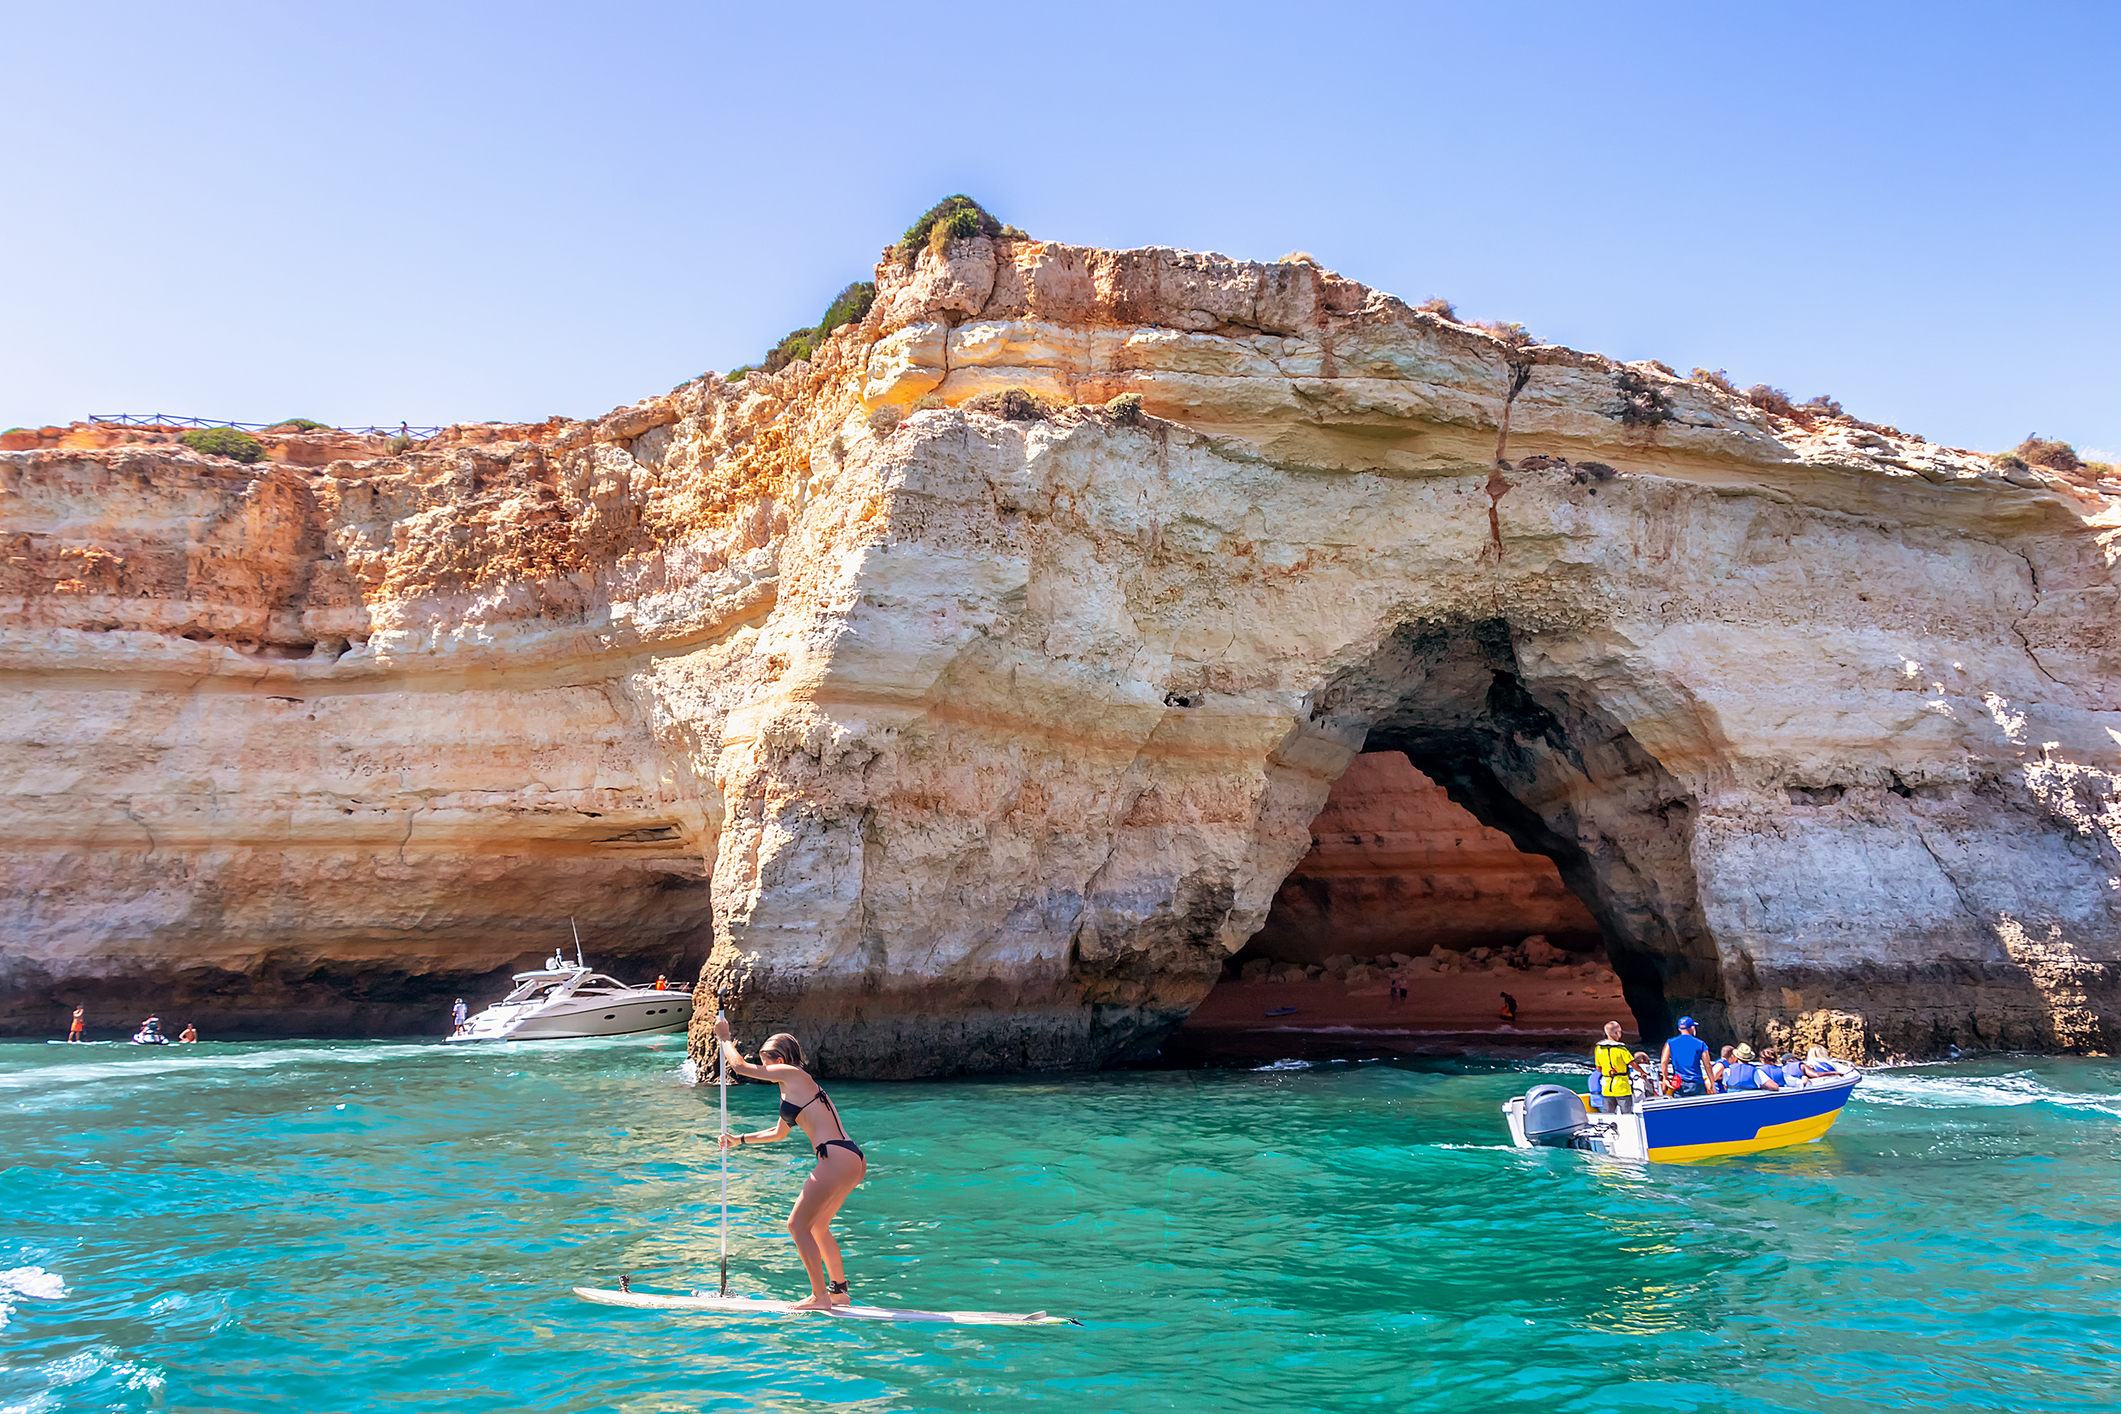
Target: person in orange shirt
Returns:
[[662, 983], [74, 1032]]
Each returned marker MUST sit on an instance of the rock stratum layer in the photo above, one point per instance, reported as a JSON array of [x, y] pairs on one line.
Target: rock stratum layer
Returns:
[[1396, 865], [953, 743]]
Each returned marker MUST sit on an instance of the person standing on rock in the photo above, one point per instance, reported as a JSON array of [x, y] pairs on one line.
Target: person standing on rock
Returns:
[[1616, 1091], [840, 1161]]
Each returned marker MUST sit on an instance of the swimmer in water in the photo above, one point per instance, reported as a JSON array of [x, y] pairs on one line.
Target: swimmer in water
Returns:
[[840, 1163]]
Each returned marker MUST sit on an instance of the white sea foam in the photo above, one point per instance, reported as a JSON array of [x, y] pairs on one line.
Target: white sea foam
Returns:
[[159, 1061], [33, 1282], [1284, 1065], [1964, 1092], [97, 1360]]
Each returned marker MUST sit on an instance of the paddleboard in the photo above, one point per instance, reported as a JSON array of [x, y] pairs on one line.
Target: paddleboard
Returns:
[[701, 1302]]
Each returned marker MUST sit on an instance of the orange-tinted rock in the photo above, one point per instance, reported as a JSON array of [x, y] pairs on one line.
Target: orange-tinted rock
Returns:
[[1395, 866]]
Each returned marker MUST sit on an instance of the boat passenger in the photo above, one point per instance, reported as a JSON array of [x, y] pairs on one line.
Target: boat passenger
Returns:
[[840, 1161], [457, 1014], [1745, 1073], [662, 982], [189, 1035], [1792, 1071], [1682, 1060], [1818, 1065], [1720, 1068], [1616, 1092]]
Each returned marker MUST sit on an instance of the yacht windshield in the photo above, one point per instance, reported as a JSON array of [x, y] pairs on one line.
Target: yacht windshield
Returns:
[[531, 988]]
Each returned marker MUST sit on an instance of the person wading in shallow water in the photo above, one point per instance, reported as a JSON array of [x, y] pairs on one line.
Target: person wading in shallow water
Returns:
[[840, 1163]]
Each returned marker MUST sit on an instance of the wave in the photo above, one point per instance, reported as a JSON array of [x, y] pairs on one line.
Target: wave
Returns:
[[1966, 1092], [33, 1282]]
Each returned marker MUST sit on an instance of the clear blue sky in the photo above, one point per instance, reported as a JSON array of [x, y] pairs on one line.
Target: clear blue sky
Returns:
[[435, 212]]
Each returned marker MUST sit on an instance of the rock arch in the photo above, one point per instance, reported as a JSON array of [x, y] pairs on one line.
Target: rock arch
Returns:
[[1544, 762]]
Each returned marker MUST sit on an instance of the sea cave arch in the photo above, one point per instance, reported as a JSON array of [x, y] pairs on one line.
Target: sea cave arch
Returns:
[[1543, 757]]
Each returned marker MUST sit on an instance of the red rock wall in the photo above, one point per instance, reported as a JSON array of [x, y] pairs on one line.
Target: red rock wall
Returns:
[[1396, 866]]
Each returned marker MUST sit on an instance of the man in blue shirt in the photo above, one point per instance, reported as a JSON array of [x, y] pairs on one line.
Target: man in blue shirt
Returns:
[[1684, 1056]]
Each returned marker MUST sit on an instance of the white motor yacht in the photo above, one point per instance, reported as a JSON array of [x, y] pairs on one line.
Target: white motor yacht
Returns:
[[566, 999]]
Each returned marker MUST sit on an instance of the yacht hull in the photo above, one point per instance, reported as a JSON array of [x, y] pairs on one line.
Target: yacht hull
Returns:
[[645, 1015]]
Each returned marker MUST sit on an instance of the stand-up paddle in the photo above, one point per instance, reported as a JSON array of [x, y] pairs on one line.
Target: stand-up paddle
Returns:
[[721, 1007]]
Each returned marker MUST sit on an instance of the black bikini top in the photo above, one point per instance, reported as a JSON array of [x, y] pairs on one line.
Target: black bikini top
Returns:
[[791, 1112]]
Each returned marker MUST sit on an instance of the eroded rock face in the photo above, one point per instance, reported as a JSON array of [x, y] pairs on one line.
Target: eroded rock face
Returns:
[[997, 738], [1396, 865]]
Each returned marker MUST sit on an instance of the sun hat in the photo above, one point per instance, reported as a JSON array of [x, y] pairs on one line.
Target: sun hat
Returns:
[[1745, 1052]]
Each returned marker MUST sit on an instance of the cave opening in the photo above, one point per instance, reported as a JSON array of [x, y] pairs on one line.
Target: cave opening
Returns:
[[1489, 806]]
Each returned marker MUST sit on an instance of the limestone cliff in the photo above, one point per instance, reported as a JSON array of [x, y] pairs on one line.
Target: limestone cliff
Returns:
[[997, 737]]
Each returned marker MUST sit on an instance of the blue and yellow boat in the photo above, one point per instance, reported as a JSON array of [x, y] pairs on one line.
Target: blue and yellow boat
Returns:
[[1680, 1130]]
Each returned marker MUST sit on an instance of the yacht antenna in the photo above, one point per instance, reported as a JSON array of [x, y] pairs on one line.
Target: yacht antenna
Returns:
[[577, 942]]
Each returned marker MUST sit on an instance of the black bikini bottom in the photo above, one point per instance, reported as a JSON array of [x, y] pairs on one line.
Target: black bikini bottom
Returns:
[[844, 1144]]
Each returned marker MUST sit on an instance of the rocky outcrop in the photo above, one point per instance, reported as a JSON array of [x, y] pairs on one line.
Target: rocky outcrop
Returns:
[[1396, 866], [997, 738]]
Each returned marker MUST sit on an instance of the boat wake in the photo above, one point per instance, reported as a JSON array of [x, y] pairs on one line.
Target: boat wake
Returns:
[[1965, 1092]]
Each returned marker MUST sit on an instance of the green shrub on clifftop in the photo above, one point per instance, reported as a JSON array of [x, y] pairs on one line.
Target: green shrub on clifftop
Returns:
[[848, 306], [2047, 452], [223, 442], [954, 218]]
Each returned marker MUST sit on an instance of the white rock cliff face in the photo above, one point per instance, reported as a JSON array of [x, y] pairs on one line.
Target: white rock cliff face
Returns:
[[996, 738]]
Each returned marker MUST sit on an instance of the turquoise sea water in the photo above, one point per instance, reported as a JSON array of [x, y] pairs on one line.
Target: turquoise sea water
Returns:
[[352, 1227]]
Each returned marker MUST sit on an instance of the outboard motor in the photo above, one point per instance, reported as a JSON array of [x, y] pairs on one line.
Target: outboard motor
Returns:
[[1554, 1117]]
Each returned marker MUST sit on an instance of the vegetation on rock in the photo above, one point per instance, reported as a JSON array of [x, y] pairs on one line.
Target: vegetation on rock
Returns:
[[223, 442], [1016, 404], [849, 306], [2046, 451], [954, 218], [1125, 409], [1642, 403], [299, 424]]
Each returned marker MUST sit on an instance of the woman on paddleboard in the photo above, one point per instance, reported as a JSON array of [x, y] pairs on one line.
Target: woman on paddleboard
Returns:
[[840, 1164]]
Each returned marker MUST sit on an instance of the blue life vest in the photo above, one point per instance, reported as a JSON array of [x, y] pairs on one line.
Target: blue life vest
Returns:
[[1687, 1054], [1793, 1072], [1741, 1075]]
